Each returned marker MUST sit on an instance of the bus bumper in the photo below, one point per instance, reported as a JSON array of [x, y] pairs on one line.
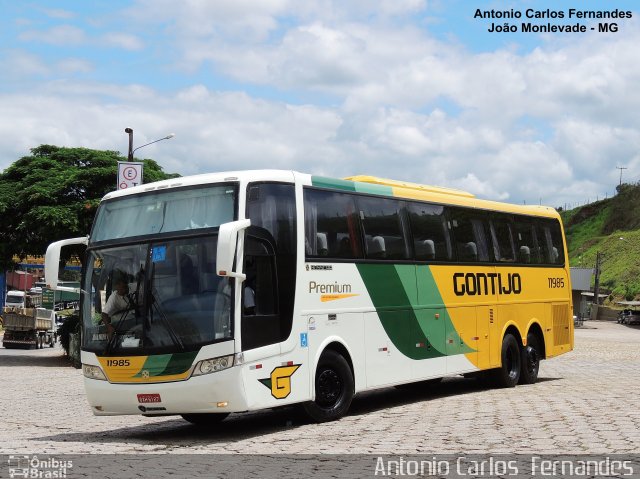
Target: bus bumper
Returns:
[[219, 392]]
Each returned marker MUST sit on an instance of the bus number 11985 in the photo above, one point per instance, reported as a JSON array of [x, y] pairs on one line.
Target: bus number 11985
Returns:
[[556, 282], [117, 362]]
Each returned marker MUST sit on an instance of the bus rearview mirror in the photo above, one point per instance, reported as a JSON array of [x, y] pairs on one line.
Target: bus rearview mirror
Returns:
[[52, 262], [227, 242]]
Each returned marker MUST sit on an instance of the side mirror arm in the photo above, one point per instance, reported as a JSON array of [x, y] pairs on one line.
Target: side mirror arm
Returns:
[[227, 245]]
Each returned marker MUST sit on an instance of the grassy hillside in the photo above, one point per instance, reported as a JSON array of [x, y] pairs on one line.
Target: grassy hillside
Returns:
[[598, 227]]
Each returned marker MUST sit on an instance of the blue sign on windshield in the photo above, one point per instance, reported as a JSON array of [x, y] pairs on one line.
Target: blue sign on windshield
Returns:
[[158, 253]]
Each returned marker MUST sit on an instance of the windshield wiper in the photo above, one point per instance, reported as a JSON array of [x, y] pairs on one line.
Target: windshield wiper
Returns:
[[116, 331]]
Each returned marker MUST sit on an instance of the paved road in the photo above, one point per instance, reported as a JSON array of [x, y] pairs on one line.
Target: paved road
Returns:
[[585, 402]]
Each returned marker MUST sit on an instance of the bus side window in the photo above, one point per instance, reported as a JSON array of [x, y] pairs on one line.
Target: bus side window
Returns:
[[553, 239], [526, 241], [501, 231], [383, 228], [470, 235], [331, 216], [429, 231]]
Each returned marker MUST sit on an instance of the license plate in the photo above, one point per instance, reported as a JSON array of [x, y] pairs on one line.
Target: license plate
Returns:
[[149, 398]]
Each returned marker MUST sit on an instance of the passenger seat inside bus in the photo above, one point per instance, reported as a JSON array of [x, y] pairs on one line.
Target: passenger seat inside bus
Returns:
[[525, 254], [470, 252], [376, 247], [429, 250], [321, 244]]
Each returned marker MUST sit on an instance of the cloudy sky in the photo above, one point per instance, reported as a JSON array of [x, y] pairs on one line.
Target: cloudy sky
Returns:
[[415, 90]]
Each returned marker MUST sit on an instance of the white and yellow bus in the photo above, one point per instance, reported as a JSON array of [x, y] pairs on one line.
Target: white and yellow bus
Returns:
[[256, 289]]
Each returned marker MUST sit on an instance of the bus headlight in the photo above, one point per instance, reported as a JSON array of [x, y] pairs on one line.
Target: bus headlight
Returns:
[[93, 372], [208, 366]]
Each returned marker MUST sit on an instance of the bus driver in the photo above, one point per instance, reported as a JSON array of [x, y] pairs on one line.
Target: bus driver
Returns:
[[119, 301]]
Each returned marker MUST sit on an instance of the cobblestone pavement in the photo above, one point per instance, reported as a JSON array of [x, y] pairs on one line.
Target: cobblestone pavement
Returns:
[[585, 402]]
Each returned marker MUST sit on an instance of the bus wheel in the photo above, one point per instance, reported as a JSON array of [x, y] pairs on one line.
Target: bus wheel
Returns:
[[531, 355], [509, 373], [334, 388], [205, 419]]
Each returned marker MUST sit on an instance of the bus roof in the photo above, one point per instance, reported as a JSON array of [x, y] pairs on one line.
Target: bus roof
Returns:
[[434, 194], [410, 186], [285, 176], [358, 183]]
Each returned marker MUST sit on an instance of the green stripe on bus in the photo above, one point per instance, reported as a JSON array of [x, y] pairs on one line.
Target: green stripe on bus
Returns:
[[386, 285], [374, 189], [346, 185], [412, 328], [324, 182], [179, 363], [167, 364], [154, 365]]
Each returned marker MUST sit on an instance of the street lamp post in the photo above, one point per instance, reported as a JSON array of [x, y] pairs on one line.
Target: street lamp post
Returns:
[[130, 173], [129, 131]]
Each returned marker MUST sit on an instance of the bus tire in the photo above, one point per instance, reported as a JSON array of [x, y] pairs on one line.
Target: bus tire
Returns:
[[508, 374], [205, 419], [334, 387], [531, 355]]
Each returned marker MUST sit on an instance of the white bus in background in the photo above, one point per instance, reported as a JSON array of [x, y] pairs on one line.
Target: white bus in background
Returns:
[[249, 290]]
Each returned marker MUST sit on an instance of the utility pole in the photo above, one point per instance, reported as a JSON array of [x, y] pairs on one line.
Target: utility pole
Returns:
[[621, 168], [596, 285]]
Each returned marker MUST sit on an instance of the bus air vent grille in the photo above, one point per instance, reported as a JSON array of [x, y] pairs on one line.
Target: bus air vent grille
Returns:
[[561, 326]]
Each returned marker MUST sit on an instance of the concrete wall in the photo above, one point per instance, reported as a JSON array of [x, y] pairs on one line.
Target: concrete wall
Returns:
[[602, 313]]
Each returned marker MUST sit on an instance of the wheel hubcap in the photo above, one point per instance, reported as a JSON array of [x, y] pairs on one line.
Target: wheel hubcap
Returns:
[[329, 388]]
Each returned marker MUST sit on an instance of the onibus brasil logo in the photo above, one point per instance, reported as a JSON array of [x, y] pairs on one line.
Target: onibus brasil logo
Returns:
[[32, 466], [280, 380]]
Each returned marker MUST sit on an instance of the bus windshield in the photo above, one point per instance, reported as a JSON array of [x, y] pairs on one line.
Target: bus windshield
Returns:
[[155, 297], [14, 299], [156, 212]]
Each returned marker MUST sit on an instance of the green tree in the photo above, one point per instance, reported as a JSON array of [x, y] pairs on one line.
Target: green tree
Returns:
[[53, 194]]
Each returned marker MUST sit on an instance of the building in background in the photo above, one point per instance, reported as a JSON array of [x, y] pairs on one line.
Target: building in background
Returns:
[[581, 290]]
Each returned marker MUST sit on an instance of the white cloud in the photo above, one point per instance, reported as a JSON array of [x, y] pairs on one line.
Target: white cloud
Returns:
[[58, 13], [597, 148], [122, 40], [205, 19], [213, 131], [69, 35], [70, 66], [59, 35], [549, 124], [20, 65]]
